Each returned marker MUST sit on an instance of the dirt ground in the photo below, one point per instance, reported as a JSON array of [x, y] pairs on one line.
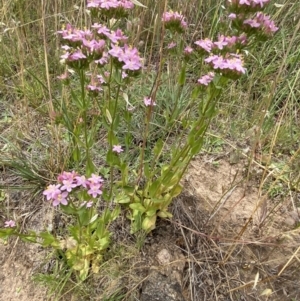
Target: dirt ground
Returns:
[[225, 242]]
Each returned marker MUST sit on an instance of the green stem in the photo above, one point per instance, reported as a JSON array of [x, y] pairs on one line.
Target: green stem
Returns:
[[85, 106], [111, 140]]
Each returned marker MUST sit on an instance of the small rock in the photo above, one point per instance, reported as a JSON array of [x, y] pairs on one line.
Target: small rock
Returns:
[[163, 257], [289, 221]]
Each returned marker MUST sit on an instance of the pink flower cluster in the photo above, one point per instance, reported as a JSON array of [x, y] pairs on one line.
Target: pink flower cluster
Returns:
[[174, 21], [231, 65], [246, 5], [98, 45], [116, 8], [111, 35], [261, 22], [224, 43], [68, 181], [96, 83], [127, 56]]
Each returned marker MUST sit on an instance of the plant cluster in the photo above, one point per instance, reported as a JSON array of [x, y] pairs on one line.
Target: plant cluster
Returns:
[[103, 63]]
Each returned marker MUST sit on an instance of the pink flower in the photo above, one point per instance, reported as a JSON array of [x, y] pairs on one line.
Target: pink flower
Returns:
[[117, 36], [188, 50], [171, 45], [94, 179], [117, 52], [66, 175], [107, 4], [149, 102], [131, 59], [249, 3], [94, 190], [126, 4], [68, 185], [205, 44], [132, 65], [174, 21], [9, 224], [52, 191], [89, 204], [81, 181], [76, 56], [261, 22], [103, 60], [252, 22], [206, 79], [245, 2], [235, 64], [231, 66], [94, 88], [117, 148], [221, 43], [60, 198], [93, 3], [63, 76], [101, 29]]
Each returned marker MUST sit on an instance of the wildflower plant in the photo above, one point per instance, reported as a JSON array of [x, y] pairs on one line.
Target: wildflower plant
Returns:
[[88, 237], [105, 65]]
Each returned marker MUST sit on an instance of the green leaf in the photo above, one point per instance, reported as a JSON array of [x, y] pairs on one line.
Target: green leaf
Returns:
[[176, 191], [48, 239], [115, 213], [122, 199], [138, 206], [149, 223], [109, 118], [151, 212], [77, 100], [106, 216], [147, 170], [138, 3], [136, 224], [5, 233], [164, 214], [84, 271], [182, 76], [154, 188], [197, 147], [100, 231], [112, 159], [124, 173], [84, 216], [94, 218], [68, 209], [90, 167], [104, 243], [158, 147], [75, 232], [30, 237]]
